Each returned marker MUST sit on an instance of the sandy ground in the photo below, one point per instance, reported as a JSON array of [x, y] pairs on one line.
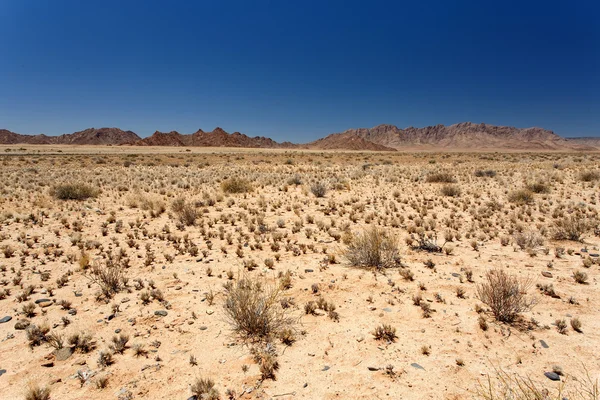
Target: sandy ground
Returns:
[[330, 359]]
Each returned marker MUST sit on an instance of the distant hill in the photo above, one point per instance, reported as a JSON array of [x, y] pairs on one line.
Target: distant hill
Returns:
[[462, 136], [91, 136], [466, 135], [216, 138], [346, 141], [585, 141]]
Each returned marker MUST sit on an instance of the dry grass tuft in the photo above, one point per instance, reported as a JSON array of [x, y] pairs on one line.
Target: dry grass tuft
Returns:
[[373, 248]]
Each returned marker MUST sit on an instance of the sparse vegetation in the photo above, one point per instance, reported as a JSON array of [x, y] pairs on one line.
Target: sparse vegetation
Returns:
[[505, 294]]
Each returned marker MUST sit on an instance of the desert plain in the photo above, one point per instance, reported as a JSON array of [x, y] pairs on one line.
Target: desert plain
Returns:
[[143, 273]]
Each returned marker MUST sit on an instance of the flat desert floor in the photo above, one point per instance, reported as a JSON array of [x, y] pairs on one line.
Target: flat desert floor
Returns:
[[247, 268]]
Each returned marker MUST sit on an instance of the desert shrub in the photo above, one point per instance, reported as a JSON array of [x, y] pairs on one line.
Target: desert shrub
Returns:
[[73, 191], [520, 196], [295, 180], [318, 189], [580, 277], [35, 392], [505, 294], [254, 311], [489, 173], [204, 388], [36, 335], [109, 276], [385, 332], [187, 214], [589, 176], [82, 342], [576, 324], [450, 190], [55, 340], [572, 227], [528, 240], [373, 248], [119, 343], [236, 185], [502, 385], [105, 358], [539, 187], [266, 358], [440, 177]]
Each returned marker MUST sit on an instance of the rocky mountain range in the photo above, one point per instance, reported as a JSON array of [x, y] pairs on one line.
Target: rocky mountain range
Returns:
[[91, 136], [462, 136]]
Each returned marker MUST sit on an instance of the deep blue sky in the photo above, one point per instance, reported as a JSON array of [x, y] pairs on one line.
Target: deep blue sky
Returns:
[[298, 70]]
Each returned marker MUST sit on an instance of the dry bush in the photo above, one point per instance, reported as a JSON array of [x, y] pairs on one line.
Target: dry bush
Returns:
[[204, 388], [505, 386], [109, 276], [589, 176], [373, 248], [528, 240], [36, 335], [440, 177], [450, 190], [539, 187], [505, 294], [34, 392], [253, 309], [572, 227], [318, 189], [186, 213], [521, 196], [236, 185], [73, 191], [266, 358], [580, 277], [385, 332], [488, 173]]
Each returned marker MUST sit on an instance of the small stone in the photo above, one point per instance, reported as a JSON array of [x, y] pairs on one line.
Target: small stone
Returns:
[[544, 344], [594, 255], [63, 354], [161, 313], [373, 368], [124, 299], [360, 338], [387, 309], [39, 301], [553, 376], [203, 328], [72, 311], [307, 270], [5, 319], [2, 372], [118, 330], [48, 364], [547, 274], [78, 294], [326, 368], [210, 312], [305, 385], [417, 366], [22, 324]]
